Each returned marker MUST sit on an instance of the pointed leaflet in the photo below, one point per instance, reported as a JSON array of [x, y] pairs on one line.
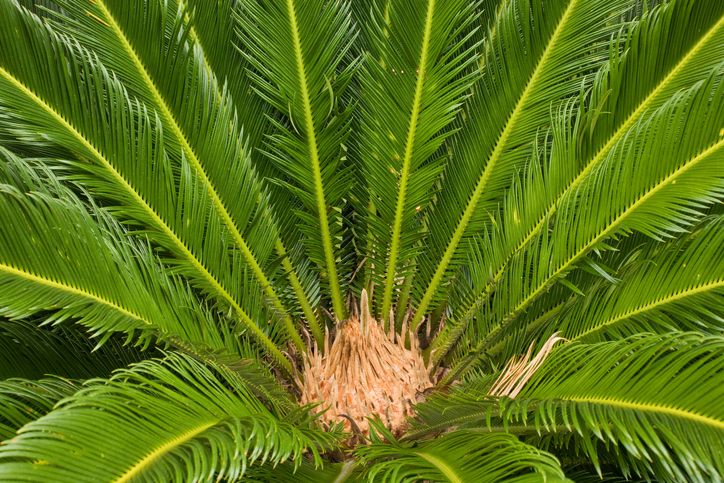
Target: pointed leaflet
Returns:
[[168, 70], [673, 47], [658, 180], [460, 457], [653, 399], [529, 49], [680, 286], [163, 420], [65, 261], [22, 401], [109, 133], [413, 82], [298, 51]]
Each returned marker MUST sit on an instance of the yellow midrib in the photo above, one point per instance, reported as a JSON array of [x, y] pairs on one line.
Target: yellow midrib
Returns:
[[316, 169], [152, 213], [444, 468], [620, 131], [161, 450], [278, 243], [650, 407], [71, 289], [482, 182], [409, 148], [614, 224], [198, 167], [691, 291], [600, 155]]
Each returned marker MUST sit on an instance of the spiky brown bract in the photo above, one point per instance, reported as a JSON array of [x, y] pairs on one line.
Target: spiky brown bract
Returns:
[[197, 196]]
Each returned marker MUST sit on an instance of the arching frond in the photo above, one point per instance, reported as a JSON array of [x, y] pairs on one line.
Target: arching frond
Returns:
[[680, 287], [413, 82], [460, 457], [23, 400], [31, 351], [534, 57], [172, 419], [298, 51], [81, 265], [671, 48], [122, 158], [657, 181], [650, 398]]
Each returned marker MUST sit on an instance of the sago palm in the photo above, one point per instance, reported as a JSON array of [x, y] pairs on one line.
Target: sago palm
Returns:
[[385, 240]]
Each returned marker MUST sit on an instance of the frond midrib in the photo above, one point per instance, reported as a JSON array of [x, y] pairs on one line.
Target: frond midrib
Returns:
[[289, 269], [149, 459], [156, 218], [668, 299], [613, 225], [597, 158], [316, 168], [248, 255], [71, 289], [482, 181], [409, 149], [648, 407]]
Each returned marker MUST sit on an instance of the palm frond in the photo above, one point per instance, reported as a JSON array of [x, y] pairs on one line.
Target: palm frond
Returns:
[[23, 400], [122, 158], [529, 50], [161, 420], [650, 398], [413, 82], [679, 287], [671, 48], [305, 473], [169, 72], [81, 265], [459, 457], [298, 51], [658, 181]]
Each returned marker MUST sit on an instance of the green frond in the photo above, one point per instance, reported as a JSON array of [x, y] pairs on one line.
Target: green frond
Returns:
[[81, 265], [23, 400], [671, 48], [654, 399], [123, 159], [657, 181], [460, 457], [299, 54], [172, 76], [305, 473], [534, 58], [680, 287], [212, 27], [171, 419], [415, 76]]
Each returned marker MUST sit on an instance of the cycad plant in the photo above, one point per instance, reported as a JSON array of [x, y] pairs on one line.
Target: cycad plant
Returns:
[[384, 240]]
